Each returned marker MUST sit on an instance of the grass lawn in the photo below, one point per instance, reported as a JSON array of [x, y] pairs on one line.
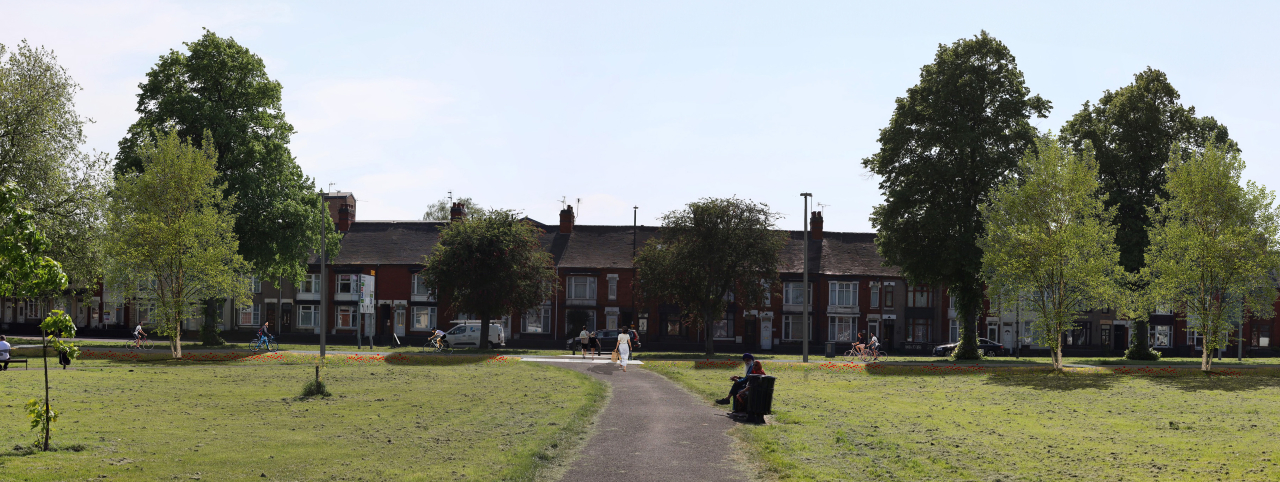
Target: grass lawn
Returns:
[[1009, 427], [237, 421]]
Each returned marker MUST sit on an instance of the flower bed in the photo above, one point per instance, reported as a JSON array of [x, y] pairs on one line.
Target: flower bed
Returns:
[[290, 358], [936, 369]]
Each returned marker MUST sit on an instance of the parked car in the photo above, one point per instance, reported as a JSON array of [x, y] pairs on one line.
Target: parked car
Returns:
[[987, 347], [467, 335], [608, 339]]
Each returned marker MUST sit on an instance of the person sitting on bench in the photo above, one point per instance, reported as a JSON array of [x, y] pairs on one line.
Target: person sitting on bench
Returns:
[[4, 353], [740, 382]]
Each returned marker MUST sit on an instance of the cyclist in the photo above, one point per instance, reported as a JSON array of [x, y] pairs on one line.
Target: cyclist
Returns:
[[437, 338], [875, 346], [263, 334], [858, 346], [138, 334]]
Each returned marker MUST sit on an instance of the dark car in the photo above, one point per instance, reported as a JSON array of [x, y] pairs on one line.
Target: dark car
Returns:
[[608, 340], [987, 347]]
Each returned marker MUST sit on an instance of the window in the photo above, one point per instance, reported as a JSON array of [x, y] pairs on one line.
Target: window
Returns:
[[1078, 335], [843, 293], [1161, 335], [840, 328], [1194, 338], [346, 317], [142, 312], [254, 282], [613, 287], [311, 283], [581, 288], [791, 294], [955, 331], [723, 328], [33, 309], [873, 329], [918, 330], [1261, 335], [768, 292], [875, 295], [347, 283], [791, 327], [888, 296], [920, 296], [1106, 336], [537, 320], [308, 316], [421, 291], [250, 315], [424, 317]]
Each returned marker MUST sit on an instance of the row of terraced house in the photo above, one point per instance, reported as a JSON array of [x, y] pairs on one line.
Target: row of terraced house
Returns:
[[851, 292]]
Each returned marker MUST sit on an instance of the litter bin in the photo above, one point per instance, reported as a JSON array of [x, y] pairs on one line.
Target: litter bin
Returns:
[[831, 349], [760, 397]]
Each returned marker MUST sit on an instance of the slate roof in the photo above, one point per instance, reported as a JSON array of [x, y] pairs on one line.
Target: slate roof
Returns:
[[592, 246]]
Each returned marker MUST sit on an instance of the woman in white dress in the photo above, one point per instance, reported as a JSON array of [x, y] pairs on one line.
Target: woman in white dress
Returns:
[[624, 348]]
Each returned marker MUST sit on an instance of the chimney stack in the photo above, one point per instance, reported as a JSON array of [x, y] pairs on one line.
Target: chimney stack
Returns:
[[457, 212], [566, 220], [346, 214], [815, 226]]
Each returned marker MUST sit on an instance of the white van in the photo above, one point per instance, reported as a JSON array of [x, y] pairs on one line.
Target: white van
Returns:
[[467, 335]]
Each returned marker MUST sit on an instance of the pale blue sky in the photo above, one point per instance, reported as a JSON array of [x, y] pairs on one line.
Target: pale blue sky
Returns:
[[655, 104]]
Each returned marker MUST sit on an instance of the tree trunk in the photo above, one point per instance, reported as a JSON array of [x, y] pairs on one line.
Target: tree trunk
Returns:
[[707, 326], [44, 354], [1057, 354], [175, 341], [968, 304], [1206, 360], [484, 331]]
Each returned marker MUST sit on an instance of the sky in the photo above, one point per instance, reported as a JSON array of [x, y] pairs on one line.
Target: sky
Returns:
[[609, 105]]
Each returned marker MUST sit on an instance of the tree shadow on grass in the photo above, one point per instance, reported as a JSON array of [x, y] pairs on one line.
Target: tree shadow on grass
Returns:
[[1198, 383], [1062, 382]]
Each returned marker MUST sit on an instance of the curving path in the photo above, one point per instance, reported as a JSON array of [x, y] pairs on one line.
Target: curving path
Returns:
[[652, 430]]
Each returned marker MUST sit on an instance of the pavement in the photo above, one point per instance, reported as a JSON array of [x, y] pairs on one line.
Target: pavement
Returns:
[[653, 430]]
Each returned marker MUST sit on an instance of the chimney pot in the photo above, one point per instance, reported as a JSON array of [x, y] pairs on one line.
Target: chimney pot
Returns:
[[815, 226], [457, 211], [566, 220]]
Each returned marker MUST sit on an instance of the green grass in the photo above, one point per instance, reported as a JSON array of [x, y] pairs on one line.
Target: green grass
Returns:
[[1011, 427], [236, 421]]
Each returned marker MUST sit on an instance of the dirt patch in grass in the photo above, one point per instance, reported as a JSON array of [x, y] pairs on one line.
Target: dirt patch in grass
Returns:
[[845, 425], [478, 421]]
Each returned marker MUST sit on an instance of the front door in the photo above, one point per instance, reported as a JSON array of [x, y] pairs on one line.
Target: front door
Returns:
[[1120, 337], [1007, 337], [399, 321], [766, 334]]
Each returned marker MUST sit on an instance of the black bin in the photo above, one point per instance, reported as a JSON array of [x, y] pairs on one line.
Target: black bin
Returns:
[[831, 349], [759, 397]]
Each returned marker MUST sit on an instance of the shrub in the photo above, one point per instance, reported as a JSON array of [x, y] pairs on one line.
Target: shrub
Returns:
[[315, 388], [1137, 352]]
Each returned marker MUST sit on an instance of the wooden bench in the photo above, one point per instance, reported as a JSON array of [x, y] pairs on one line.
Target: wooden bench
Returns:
[[23, 361]]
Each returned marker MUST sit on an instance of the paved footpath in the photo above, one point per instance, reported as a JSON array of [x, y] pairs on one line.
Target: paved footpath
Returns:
[[652, 430]]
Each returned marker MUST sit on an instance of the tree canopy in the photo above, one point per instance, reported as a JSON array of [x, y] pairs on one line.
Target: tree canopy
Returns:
[[41, 134], [1049, 243], [170, 241], [707, 251], [491, 265], [1213, 252], [219, 94], [958, 132], [24, 268], [439, 210]]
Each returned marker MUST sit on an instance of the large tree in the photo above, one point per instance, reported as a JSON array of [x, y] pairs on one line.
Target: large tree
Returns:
[[170, 240], [1132, 130], [1049, 243], [439, 210], [25, 270], [41, 135], [219, 94], [705, 252], [1214, 251], [956, 134], [491, 265]]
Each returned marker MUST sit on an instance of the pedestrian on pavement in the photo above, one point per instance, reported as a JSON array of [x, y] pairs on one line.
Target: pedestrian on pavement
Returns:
[[624, 348], [594, 342], [635, 340], [584, 339]]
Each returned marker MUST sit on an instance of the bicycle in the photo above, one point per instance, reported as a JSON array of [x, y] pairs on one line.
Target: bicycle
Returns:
[[864, 353], [267, 343], [142, 343], [437, 345]]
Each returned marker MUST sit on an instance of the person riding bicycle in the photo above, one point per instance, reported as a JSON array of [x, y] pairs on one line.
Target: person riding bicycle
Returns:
[[859, 345], [138, 334], [437, 337], [874, 346]]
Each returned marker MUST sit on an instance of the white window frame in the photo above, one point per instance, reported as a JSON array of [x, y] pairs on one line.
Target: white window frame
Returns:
[[254, 313], [838, 288], [768, 293], [954, 335], [352, 317], [310, 284], [431, 314], [791, 324], [834, 325], [542, 315], [613, 286], [791, 288], [875, 295], [888, 290], [254, 283], [350, 281], [1161, 333], [580, 288], [421, 292], [308, 316]]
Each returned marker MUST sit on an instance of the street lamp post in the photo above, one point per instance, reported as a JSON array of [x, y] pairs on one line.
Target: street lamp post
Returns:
[[804, 283], [324, 318]]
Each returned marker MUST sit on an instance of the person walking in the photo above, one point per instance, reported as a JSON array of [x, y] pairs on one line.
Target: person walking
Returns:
[[584, 339], [593, 342], [624, 348]]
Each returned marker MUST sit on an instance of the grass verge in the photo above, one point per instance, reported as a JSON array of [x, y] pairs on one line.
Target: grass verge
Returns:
[[145, 421], [1008, 425]]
